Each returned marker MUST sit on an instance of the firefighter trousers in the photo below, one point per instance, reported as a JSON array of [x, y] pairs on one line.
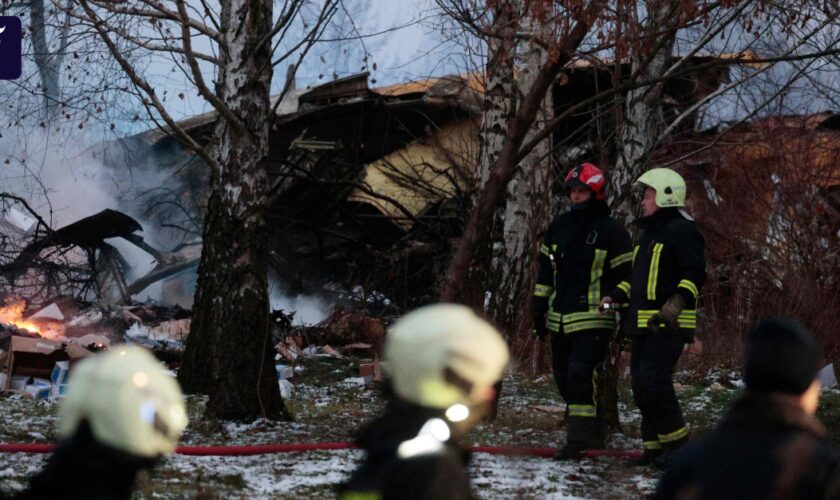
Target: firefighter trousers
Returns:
[[652, 365], [577, 359]]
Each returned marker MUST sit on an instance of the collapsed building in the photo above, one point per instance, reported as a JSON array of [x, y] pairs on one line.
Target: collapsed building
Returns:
[[370, 186]]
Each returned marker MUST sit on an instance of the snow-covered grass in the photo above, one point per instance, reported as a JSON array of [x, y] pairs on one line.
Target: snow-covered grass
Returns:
[[330, 404]]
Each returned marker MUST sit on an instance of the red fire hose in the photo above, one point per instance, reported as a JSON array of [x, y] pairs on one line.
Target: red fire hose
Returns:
[[264, 449]]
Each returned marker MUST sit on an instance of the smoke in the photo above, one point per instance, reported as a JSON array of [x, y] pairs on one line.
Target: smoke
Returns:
[[59, 177], [62, 179], [308, 309]]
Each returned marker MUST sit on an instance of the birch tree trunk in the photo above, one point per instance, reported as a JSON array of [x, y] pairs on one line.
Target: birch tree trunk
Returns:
[[500, 99], [229, 354], [643, 113], [640, 128], [526, 213]]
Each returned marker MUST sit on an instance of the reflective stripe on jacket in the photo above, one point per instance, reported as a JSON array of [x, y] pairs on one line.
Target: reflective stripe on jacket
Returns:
[[668, 259], [585, 253]]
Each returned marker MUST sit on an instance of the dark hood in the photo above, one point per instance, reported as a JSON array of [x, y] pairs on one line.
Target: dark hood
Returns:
[[770, 412]]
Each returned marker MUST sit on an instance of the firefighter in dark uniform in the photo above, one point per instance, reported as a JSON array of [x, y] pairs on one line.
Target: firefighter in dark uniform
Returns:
[[668, 272], [769, 445], [584, 255], [441, 363]]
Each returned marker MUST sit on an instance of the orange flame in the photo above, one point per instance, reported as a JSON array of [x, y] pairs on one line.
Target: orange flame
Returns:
[[12, 314]]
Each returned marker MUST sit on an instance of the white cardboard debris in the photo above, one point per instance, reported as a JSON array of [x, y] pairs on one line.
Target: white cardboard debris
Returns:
[[316, 351], [354, 381], [19, 219], [18, 382], [50, 312], [137, 330], [58, 379], [827, 376], [284, 372], [286, 388], [38, 389], [87, 318]]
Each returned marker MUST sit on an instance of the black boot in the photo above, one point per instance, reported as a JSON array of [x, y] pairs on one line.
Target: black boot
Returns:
[[583, 433], [669, 452], [649, 457], [571, 451]]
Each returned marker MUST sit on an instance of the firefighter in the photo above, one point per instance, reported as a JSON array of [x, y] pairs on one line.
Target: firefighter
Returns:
[[769, 445], [668, 272], [440, 363], [122, 413], [585, 254]]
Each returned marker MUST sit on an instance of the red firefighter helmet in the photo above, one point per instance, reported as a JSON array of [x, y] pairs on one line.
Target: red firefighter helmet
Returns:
[[589, 176]]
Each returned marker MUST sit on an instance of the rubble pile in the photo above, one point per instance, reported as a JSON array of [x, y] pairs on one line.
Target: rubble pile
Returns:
[[39, 346], [358, 336]]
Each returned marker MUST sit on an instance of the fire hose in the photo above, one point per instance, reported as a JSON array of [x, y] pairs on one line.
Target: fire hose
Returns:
[[264, 449]]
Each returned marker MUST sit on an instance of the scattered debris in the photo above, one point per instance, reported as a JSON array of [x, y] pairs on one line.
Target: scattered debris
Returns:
[[32, 364], [827, 376], [286, 388], [289, 348], [58, 379], [371, 372], [556, 410], [284, 371], [315, 351]]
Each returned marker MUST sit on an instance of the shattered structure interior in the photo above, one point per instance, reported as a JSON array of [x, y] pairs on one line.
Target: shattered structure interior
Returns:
[[370, 186]]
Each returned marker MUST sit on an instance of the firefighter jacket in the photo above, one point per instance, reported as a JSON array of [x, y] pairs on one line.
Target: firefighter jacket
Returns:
[[668, 259], [585, 253], [402, 463], [765, 447], [82, 467]]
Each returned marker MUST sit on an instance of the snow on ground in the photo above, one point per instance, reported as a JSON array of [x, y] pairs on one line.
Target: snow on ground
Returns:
[[330, 405]]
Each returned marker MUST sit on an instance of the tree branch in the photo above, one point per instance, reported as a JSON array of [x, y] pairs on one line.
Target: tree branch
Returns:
[[143, 85], [198, 78]]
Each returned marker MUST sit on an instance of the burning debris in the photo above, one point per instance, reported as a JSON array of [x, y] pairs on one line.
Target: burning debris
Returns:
[[39, 346], [45, 323], [35, 341]]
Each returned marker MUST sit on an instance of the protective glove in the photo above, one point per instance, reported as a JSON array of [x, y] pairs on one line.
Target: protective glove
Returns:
[[539, 330], [669, 314], [604, 306]]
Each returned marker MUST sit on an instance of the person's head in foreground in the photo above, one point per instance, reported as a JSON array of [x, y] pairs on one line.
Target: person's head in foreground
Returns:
[[769, 445], [123, 412], [782, 357], [441, 363]]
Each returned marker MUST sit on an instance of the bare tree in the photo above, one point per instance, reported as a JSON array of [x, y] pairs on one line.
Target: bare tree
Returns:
[[527, 209], [642, 117], [569, 32], [228, 353], [646, 31], [69, 79]]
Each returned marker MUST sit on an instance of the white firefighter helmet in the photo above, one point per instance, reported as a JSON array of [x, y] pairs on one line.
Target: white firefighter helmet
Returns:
[[443, 355], [129, 400], [669, 186]]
